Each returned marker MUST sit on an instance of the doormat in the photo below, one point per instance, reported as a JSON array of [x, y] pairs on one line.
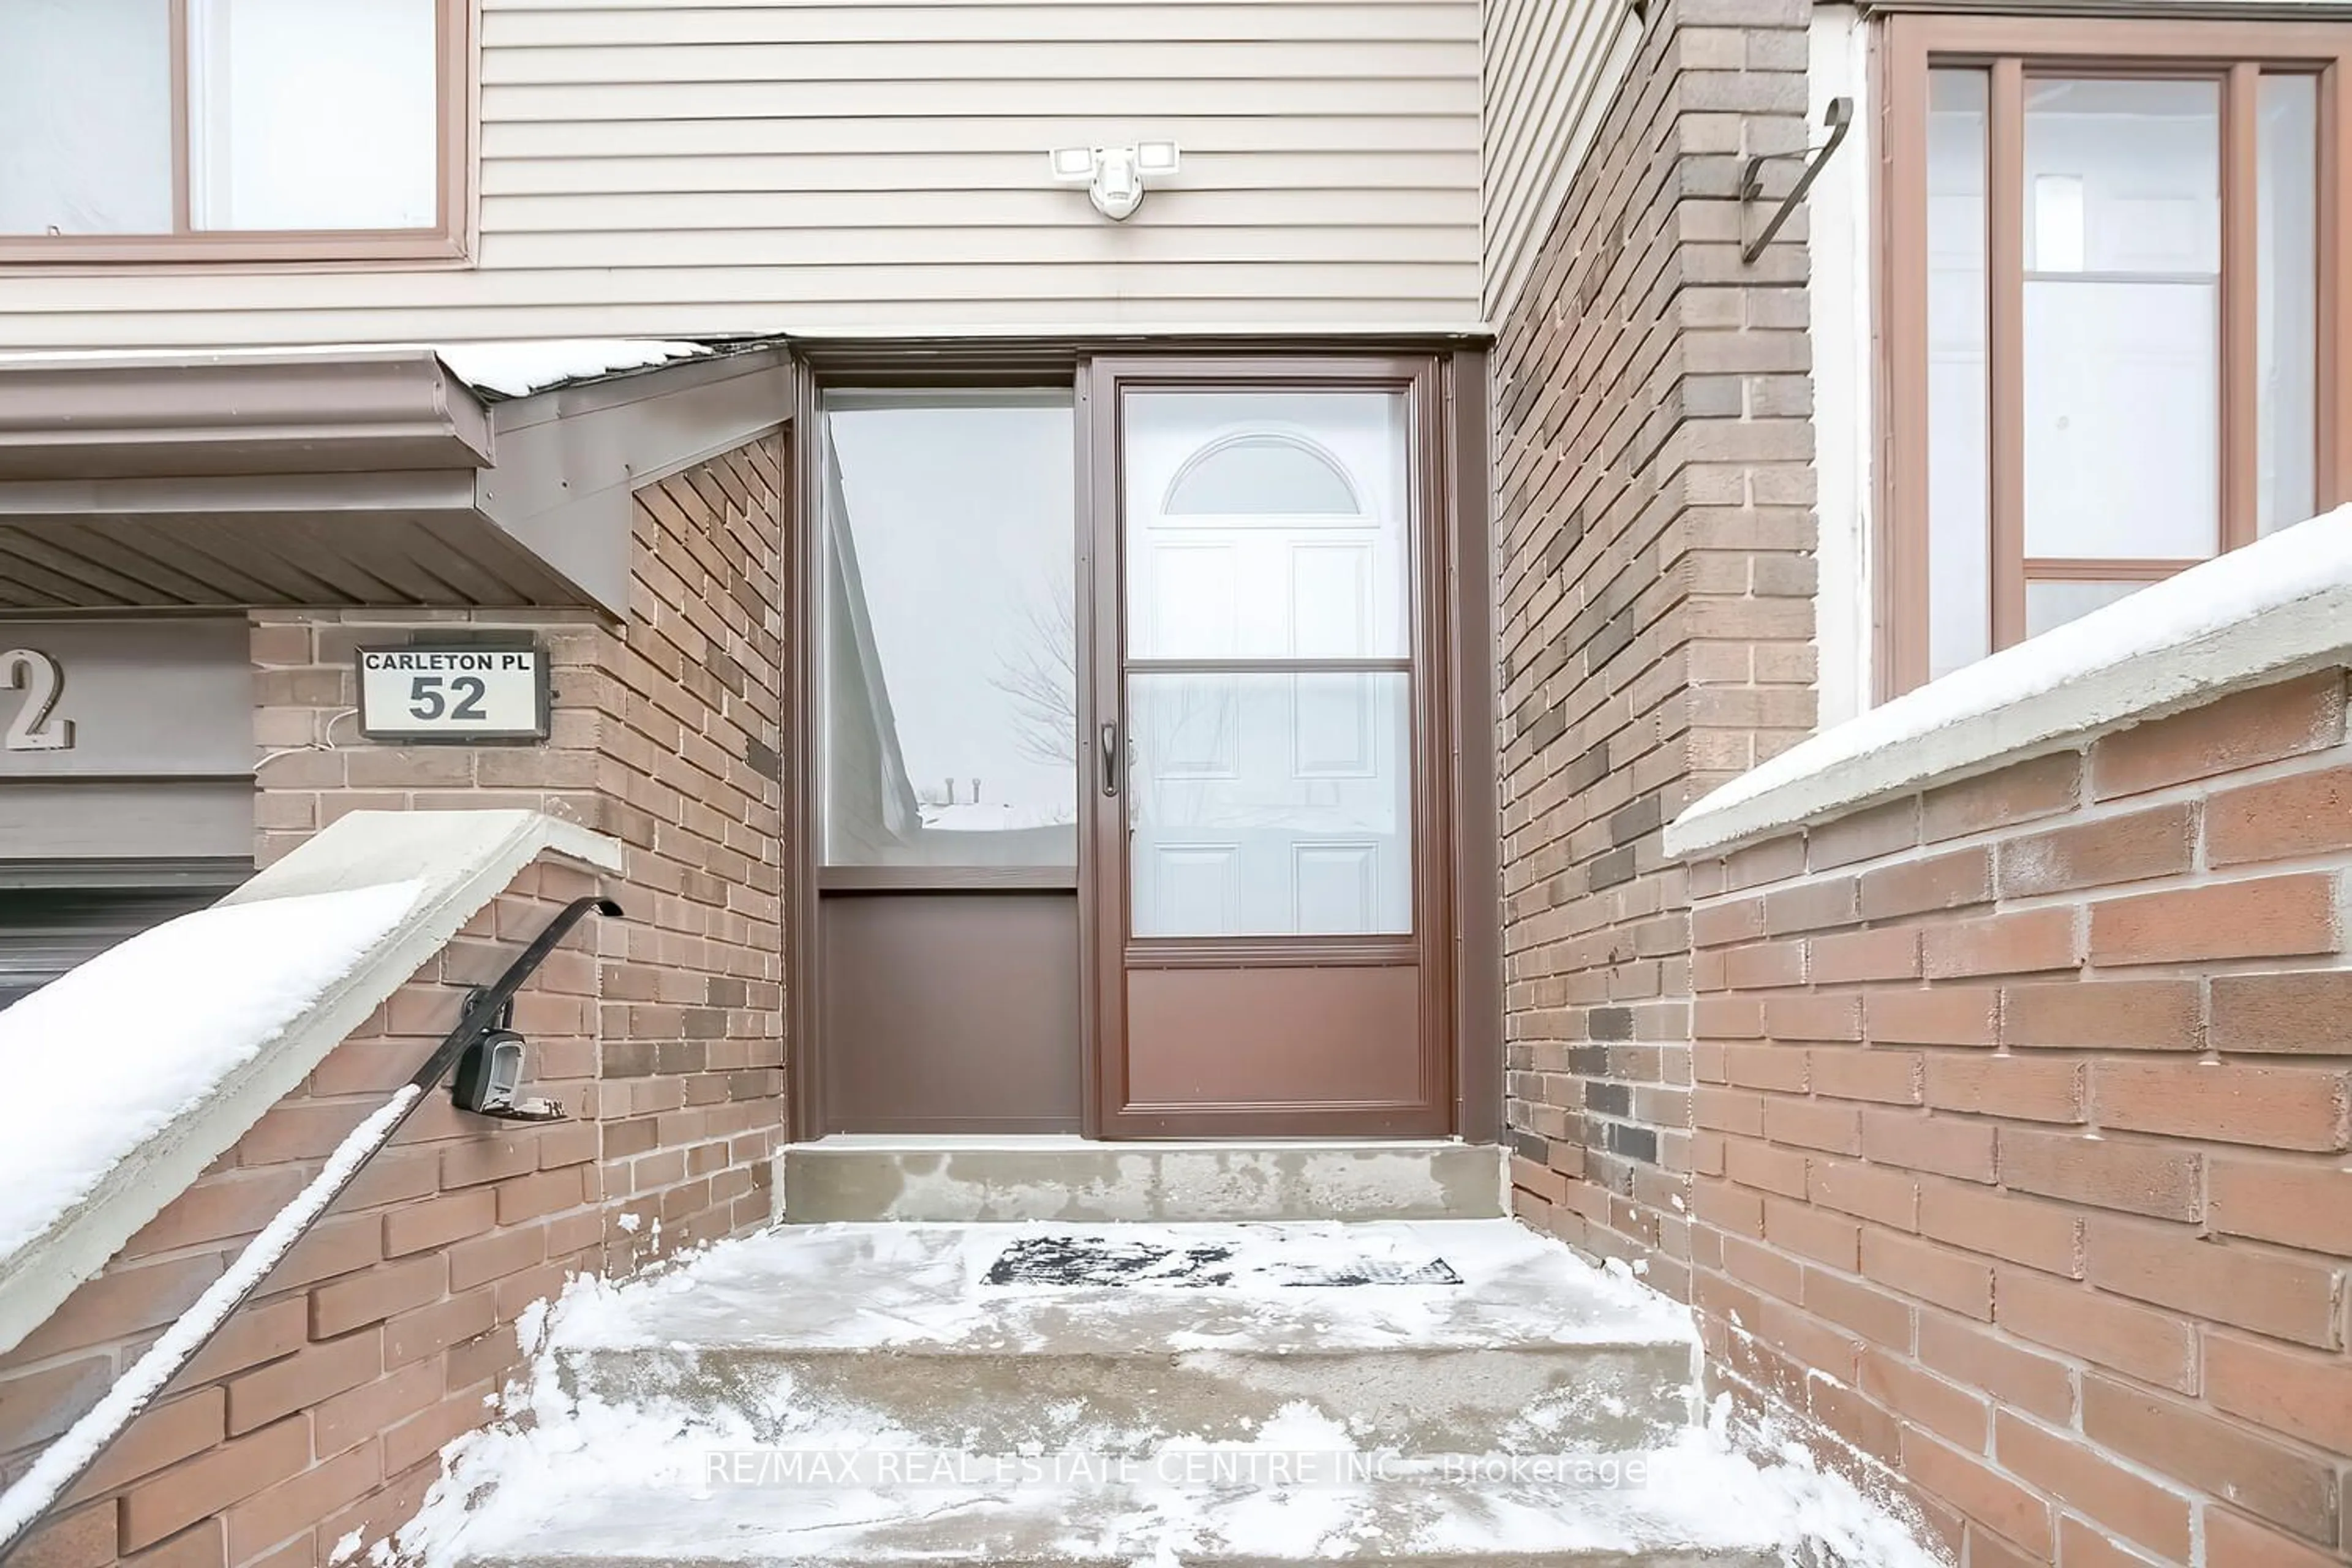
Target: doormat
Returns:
[[1094, 1261]]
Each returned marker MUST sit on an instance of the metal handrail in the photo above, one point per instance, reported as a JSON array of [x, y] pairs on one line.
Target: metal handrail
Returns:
[[67, 1459]]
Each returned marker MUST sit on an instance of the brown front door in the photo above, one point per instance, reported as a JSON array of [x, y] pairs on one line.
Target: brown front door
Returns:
[[1265, 777]]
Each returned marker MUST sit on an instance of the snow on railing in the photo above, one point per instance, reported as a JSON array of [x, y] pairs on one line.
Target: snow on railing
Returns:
[[112, 1055], [67, 1461], [132, 1074]]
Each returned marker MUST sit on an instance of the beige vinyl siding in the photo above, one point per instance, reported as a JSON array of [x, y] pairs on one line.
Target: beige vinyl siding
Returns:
[[650, 169], [1551, 67]]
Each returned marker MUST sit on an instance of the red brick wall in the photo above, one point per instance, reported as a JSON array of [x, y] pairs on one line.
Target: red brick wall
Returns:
[[324, 1405], [1653, 494], [665, 734], [2021, 1123]]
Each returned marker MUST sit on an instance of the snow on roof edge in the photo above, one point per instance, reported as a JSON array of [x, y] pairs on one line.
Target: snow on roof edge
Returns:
[[456, 862], [519, 367], [524, 366], [2262, 613]]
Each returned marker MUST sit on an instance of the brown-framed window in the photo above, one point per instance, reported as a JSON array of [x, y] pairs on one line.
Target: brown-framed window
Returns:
[[232, 129], [2114, 292]]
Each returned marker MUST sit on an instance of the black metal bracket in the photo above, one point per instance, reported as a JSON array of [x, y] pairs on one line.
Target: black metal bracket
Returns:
[[505, 1016], [1839, 118]]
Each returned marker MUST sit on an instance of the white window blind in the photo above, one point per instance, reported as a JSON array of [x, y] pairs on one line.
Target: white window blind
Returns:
[[85, 117], [313, 114]]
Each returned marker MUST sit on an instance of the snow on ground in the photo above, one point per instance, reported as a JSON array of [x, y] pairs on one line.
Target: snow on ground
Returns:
[[871, 1286], [518, 369], [108, 1057], [656, 1479]]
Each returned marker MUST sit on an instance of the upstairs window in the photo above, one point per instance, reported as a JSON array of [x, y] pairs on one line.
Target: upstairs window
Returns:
[[295, 129], [2114, 296]]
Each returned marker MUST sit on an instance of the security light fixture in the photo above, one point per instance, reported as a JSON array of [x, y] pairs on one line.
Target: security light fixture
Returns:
[[1114, 176]]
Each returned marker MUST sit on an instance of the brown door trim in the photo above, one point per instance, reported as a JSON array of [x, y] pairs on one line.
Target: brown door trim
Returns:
[[1469, 587], [804, 1099], [1459, 945], [1431, 1108]]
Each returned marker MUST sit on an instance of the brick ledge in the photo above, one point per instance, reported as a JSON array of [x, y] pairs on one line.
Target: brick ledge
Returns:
[[463, 859], [2273, 610]]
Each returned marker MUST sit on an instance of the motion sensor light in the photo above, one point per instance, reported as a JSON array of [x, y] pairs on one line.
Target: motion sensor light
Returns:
[[1114, 176]]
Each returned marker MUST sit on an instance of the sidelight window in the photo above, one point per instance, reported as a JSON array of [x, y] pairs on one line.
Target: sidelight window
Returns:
[[948, 663]]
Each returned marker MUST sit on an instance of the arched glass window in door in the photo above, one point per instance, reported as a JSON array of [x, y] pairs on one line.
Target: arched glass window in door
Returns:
[[1264, 473]]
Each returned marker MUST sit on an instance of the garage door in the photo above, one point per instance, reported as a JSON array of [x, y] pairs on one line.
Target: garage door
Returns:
[[47, 930]]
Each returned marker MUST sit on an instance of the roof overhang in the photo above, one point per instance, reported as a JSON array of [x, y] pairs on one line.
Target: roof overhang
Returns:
[[354, 478]]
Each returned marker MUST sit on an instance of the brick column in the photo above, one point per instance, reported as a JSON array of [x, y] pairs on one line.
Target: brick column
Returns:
[[1654, 507], [666, 731], [320, 1410]]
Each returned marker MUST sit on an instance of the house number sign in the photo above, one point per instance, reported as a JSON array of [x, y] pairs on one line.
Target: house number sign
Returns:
[[453, 693], [32, 727]]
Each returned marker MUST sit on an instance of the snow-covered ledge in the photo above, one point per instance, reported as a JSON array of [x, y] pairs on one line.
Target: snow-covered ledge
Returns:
[[129, 1075], [2271, 611]]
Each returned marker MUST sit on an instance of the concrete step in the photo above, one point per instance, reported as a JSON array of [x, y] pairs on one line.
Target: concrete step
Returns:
[[1504, 1401], [945, 1180], [1448, 1394], [897, 1328], [1395, 1522]]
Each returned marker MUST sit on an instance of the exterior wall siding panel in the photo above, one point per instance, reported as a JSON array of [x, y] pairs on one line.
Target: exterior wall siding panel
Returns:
[[1551, 68], [654, 169]]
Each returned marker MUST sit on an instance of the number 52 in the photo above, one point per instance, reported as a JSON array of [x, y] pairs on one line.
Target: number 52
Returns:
[[427, 700]]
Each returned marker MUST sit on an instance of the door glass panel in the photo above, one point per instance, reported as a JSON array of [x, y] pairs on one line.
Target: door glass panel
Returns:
[[2053, 603], [85, 117], [2287, 253], [950, 646], [2122, 372], [1270, 804], [1959, 610], [1267, 525]]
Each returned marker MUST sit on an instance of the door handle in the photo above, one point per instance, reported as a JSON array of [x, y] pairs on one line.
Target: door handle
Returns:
[[1109, 739]]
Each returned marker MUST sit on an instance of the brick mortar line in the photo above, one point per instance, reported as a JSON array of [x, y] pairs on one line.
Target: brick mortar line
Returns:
[[2073, 1362], [2086, 814]]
